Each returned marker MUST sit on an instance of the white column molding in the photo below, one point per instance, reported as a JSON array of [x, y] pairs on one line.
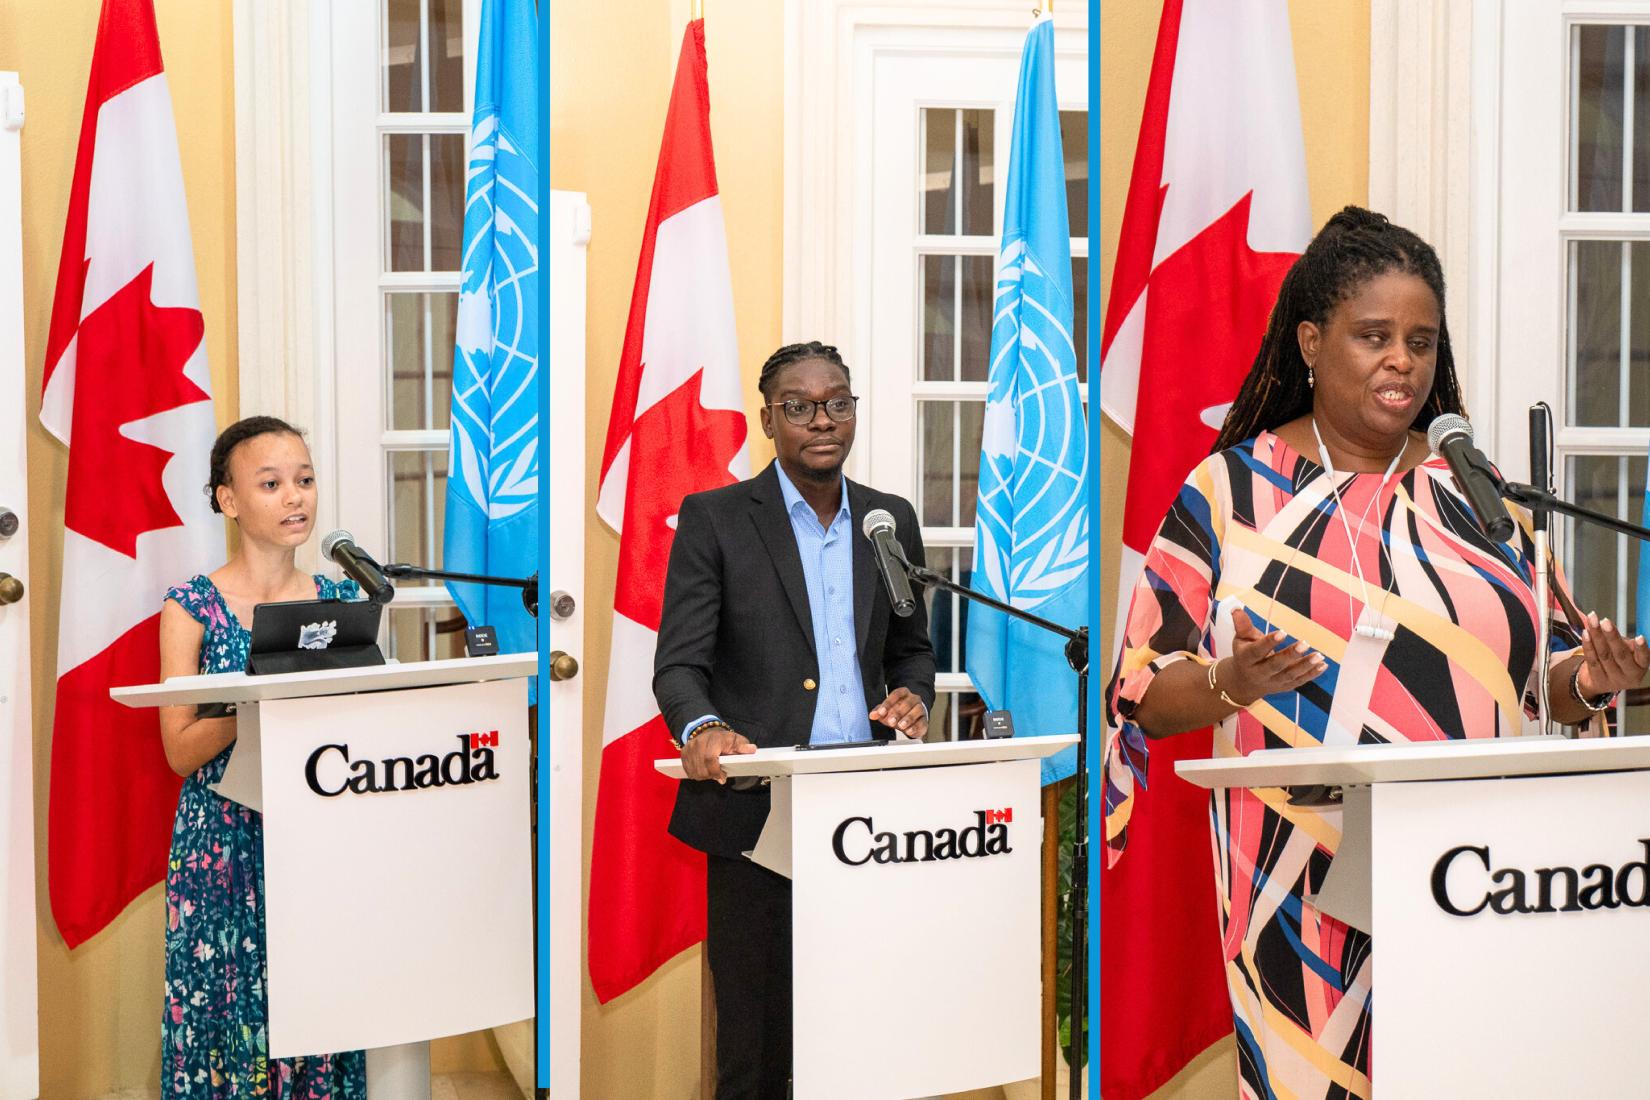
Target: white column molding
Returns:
[[1421, 160], [283, 225]]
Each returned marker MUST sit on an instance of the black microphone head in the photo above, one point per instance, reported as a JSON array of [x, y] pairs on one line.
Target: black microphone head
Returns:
[[877, 519], [331, 541], [1447, 427]]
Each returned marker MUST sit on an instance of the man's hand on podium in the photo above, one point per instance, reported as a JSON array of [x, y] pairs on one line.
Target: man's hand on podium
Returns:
[[701, 759], [903, 711]]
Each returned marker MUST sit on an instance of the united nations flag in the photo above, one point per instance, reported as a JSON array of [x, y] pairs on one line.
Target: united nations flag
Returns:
[[1031, 531], [493, 468]]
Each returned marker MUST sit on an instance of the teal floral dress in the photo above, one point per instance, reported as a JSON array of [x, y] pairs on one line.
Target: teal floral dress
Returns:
[[214, 1032]]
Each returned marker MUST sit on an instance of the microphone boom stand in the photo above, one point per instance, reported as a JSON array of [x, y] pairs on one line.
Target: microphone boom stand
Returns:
[[529, 585], [1077, 656]]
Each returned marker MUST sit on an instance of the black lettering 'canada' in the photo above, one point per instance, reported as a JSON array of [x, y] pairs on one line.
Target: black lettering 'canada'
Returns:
[[1508, 890], [856, 842], [469, 763]]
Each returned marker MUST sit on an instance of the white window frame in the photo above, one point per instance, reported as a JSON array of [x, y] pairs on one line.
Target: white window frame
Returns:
[[1475, 158], [833, 274], [310, 245]]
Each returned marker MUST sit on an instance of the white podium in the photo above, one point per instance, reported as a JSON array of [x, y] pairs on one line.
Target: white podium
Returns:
[[915, 911], [397, 861], [1506, 885]]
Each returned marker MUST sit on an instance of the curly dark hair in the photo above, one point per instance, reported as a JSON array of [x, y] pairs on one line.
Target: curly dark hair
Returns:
[[797, 353], [232, 437], [1354, 247]]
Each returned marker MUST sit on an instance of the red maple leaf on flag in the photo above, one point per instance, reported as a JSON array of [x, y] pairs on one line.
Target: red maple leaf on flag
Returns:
[[716, 435], [130, 357]]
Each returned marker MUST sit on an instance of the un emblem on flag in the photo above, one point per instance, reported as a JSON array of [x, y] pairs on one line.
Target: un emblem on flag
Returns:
[[1032, 526]]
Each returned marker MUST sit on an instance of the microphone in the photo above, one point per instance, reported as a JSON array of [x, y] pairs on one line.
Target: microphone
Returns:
[[879, 528], [357, 564], [1541, 456], [1451, 437]]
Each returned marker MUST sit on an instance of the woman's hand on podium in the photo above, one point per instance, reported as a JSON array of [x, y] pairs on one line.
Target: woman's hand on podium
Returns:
[[702, 758]]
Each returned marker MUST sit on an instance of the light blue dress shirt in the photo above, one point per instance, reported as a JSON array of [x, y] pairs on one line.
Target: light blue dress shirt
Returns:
[[828, 568]]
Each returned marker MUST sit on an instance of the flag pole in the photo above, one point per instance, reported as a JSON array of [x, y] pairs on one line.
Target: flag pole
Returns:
[[696, 10]]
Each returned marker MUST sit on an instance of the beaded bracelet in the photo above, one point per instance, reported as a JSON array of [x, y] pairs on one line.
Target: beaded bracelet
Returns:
[[714, 723]]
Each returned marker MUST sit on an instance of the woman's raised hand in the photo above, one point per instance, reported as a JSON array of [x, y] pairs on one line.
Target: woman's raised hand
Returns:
[[1264, 664], [1611, 662]]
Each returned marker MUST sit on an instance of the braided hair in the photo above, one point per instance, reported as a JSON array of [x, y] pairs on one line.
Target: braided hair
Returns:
[[797, 353], [232, 437], [1355, 246]]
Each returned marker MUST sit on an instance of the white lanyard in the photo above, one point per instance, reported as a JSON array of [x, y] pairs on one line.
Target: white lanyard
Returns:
[[1363, 629]]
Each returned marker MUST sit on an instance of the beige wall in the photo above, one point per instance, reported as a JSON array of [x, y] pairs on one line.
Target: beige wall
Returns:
[[99, 1007]]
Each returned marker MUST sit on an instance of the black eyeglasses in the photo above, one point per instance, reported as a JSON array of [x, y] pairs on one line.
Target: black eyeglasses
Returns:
[[800, 410]]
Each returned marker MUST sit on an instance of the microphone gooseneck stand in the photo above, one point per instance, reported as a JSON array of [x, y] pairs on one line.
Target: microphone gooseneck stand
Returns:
[[529, 585], [1077, 656]]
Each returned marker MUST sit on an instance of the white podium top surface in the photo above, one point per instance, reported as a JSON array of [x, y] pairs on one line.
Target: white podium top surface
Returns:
[[1481, 758], [238, 687], [888, 755]]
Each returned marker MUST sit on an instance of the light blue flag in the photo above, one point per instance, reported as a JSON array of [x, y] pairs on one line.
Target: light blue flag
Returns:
[[493, 469], [1642, 626], [1031, 530]]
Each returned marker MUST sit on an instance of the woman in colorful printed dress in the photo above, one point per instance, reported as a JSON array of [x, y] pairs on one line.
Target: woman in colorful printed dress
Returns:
[[214, 1032], [1320, 581]]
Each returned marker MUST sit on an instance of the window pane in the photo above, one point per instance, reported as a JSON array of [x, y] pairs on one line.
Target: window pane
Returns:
[[404, 338], [939, 318], [977, 172], [404, 205], [979, 291], [1080, 314], [403, 65], [419, 343], [417, 498], [446, 201], [942, 613], [1602, 565], [424, 633], [971, 415], [939, 200], [1596, 381], [1600, 59], [1074, 138], [938, 463], [1638, 352], [446, 55]]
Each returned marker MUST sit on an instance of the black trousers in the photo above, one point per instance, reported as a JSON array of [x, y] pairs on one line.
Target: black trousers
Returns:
[[749, 943]]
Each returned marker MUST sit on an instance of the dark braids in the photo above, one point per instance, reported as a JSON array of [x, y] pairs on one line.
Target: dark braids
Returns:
[[797, 353], [232, 437], [1355, 246]]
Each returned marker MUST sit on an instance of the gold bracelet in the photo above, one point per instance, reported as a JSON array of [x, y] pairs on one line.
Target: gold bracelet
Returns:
[[1224, 698]]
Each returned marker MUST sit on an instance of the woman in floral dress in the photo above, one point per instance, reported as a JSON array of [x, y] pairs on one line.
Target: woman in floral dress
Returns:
[[215, 1025]]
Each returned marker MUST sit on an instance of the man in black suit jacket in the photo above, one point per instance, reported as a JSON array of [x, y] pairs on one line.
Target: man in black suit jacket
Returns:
[[770, 583]]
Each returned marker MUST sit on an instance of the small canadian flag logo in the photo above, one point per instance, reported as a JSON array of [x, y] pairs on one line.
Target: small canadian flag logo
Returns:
[[487, 740], [999, 817]]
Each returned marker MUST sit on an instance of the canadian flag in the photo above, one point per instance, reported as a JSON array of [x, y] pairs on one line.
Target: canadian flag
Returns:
[[678, 426], [1217, 212], [127, 391]]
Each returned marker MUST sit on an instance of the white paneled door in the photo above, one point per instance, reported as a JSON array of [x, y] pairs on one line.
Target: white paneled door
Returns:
[[19, 1036]]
